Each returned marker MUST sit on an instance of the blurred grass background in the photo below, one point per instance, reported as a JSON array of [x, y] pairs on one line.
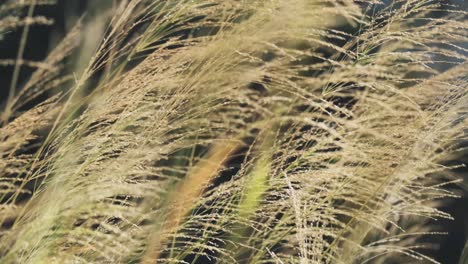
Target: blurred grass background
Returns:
[[66, 12]]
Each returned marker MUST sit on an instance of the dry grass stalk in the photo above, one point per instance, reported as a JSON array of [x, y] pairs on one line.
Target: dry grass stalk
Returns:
[[352, 172]]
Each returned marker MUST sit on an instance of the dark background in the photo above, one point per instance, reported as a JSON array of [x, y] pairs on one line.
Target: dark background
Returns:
[[41, 39]]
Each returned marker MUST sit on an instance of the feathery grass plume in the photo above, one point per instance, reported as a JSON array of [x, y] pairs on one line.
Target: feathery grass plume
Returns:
[[31, 112], [303, 131]]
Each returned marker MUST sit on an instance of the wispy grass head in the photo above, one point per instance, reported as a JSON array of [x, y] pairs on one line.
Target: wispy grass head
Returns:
[[303, 131]]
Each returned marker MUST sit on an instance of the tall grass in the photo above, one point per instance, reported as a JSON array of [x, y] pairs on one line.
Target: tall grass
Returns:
[[260, 131]]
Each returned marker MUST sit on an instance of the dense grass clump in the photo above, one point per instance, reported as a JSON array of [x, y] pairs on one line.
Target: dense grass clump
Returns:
[[235, 131]]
